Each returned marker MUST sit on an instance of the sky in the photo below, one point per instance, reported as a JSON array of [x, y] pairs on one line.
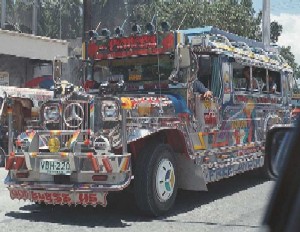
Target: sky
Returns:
[[286, 13]]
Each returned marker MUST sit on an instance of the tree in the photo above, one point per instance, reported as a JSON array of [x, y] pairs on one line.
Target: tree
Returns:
[[109, 13], [66, 17], [297, 73], [10, 15], [288, 56], [230, 15], [276, 30]]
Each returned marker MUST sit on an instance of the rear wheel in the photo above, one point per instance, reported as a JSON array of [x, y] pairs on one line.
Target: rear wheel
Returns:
[[155, 183], [2, 157]]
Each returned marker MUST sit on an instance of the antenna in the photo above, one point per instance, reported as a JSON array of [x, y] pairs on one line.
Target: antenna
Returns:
[[123, 23], [153, 18], [158, 64], [98, 26], [181, 21]]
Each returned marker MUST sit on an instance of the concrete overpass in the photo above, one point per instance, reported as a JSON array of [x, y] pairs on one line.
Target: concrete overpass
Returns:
[[22, 54], [30, 46]]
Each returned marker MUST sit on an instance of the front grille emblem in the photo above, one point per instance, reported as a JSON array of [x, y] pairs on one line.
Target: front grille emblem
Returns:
[[73, 115]]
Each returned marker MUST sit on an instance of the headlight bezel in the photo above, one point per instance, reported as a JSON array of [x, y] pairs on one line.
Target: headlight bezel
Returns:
[[47, 110], [110, 110]]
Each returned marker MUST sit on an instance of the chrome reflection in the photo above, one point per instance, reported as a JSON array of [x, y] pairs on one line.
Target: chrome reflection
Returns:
[[73, 115]]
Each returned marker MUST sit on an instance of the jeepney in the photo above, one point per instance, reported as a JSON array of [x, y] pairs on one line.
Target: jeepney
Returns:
[[140, 125], [25, 105]]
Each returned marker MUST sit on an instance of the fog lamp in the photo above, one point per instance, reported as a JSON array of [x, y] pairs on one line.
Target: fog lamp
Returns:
[[53, 144]]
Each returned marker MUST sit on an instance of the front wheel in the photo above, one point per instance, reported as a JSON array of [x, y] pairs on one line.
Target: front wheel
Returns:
[[156, 183]]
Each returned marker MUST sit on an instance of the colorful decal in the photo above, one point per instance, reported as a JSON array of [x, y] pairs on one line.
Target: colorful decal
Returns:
[[73, 139], [220, 171], [202, 145]]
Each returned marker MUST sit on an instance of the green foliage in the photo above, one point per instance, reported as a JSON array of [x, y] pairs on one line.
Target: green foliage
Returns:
[[67, 15], [288, 56], [297, 72], [276, 30], [229, 15], [11, 15]]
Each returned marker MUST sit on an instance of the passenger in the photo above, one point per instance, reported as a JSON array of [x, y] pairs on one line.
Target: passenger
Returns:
[[199, 87], [272, 85], [246, 73]]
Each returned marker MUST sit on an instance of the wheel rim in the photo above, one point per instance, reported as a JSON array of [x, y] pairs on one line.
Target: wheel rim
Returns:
[[165, 180]]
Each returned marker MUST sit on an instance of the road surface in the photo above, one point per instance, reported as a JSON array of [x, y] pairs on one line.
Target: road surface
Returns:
[[235, 204]]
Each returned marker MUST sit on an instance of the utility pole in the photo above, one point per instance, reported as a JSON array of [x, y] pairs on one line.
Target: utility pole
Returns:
[[3, 14], [87, 17], [34, 17], [266, 23], [60, 19]]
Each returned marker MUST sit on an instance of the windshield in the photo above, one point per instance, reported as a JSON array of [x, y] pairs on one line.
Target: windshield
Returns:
[[135, 70]]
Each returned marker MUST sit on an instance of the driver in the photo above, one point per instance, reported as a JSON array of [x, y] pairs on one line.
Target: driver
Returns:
[[199, 87]]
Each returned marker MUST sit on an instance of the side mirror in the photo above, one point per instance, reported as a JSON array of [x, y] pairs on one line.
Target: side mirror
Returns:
[[284, 207], [57, 70], [182, 57], [274, 154]]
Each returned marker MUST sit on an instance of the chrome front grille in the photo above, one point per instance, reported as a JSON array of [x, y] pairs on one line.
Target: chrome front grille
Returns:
[[75, 116]]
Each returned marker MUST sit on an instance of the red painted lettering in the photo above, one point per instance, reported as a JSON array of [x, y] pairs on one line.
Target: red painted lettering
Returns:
[[48, 197], [34, 196], [83, 198], [57, 198], [92, 198], [66, 198], [13, 194], [41, 196]]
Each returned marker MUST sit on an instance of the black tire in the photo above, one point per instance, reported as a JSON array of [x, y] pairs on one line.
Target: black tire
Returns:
[[2, 157], [154, 197]]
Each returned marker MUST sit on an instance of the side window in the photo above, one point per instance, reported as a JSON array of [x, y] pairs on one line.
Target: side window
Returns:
[[205, 70], [238, 81], [275, 80], [209, 73], [219, 70], [259, 77]]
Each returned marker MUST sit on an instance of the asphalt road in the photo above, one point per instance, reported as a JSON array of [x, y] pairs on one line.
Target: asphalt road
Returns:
[[235, 204]]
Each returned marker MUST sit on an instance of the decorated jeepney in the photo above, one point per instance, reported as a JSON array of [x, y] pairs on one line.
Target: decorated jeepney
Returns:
[[23, 103], [139, 124]]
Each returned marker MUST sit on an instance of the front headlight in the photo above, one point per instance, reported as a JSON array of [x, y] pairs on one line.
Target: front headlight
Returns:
[[51, 113], [110, 110]]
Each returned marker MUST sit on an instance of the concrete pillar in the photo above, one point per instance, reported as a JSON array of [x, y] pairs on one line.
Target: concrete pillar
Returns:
[[3, 14], [266, 23], [34, 17]]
